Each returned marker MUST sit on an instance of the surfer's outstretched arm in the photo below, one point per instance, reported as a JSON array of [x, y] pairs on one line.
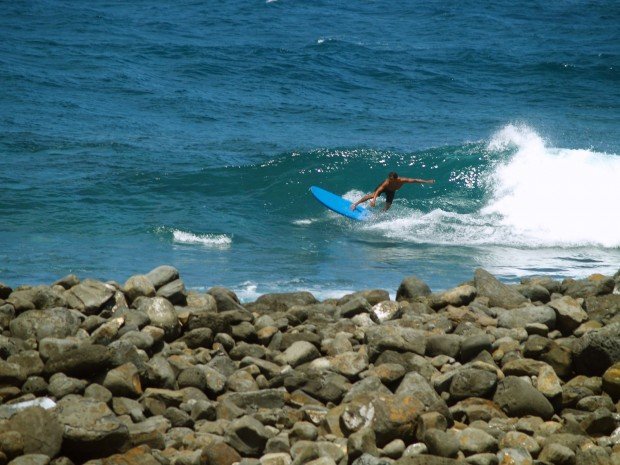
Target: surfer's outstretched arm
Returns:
[[420, 181]]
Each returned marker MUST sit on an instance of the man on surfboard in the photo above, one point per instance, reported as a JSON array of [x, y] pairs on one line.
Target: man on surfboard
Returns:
[[389, 188]]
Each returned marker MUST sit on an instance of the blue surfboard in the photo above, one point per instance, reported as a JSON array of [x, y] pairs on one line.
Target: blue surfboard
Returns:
[[339, 205]]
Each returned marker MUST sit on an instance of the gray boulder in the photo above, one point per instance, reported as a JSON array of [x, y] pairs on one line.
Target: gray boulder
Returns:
[[91, 429], [5, 291], [40, 430], [534, 292], [457, 297], [284, 301], [441, 443], [82, 361], [41, 297], [569, 314], [174, 292], [471, 382], [225, 299], [89, 296], [124, 381], [520, 317], [473, 345], [443, 344], [247, 436], [353, 307], [411, 288], [56, 322], [138, 286], [499, 294], [416, 386], [199, 337], [162, 315], [162, 275], [385, 311], [591, 286], [519, 398], [67, 282], [299, 352], [373, 296], [198, 302], [397, 338], [596, 351]]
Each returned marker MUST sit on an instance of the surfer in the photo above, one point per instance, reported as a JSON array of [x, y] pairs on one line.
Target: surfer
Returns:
[[389, 188]]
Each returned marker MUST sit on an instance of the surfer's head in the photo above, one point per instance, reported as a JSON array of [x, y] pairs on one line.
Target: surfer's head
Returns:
[[393, 175]]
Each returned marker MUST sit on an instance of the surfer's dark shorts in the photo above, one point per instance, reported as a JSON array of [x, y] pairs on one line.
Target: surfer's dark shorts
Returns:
[[389, 196]]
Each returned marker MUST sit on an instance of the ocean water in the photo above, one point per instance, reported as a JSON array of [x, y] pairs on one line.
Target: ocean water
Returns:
[[134, 134]]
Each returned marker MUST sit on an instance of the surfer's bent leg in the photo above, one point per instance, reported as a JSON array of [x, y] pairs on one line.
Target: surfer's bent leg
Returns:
[[362, 200]]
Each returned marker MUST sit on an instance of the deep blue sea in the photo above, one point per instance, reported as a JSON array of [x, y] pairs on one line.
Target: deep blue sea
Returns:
[[135, 134]]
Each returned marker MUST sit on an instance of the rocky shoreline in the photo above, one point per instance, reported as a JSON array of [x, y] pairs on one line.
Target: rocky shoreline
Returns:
[[149, 373]]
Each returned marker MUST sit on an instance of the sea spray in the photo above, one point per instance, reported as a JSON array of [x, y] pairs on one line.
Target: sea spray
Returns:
[[555, 196]]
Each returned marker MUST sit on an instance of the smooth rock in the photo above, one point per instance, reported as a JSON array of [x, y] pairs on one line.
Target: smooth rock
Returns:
[[441, 443], [138, 286], [569, 314], [82, 361], [61, 385], [89, 296], [162, 275], [284, 301], [299, 352], [399, 339], [471, 382], [514, 456], [518, 398], [411, 288], [596, 351], [248, 436], [457, 297], [39, 324], [124, 381], [91, 429], [174, 292], [476, 441], [40, 431], [386, 311], [162, 315], [520, 317], [355, 306], [499, 294], [611, 381]]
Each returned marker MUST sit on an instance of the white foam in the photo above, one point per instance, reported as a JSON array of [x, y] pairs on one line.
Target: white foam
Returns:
[[305, 221], [250, 291], [555, 196], [208, 240]]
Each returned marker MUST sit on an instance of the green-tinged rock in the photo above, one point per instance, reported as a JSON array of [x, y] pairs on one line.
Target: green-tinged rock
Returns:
[[40, 431], [39, 324], [91, 429], [82, 361]]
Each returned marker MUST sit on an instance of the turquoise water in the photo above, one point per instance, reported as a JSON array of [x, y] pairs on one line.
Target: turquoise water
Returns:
[[188, 133]]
